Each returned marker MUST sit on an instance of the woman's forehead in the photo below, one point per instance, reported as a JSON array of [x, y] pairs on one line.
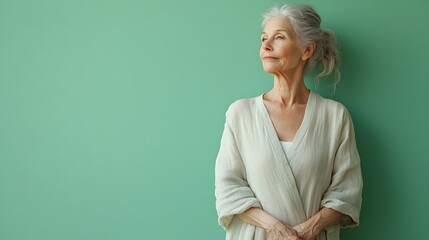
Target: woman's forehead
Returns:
[[278, 24]]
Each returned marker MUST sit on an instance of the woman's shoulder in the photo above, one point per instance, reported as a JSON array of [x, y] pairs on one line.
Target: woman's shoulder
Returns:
[[241, 107], [330, 106], [242, 104]]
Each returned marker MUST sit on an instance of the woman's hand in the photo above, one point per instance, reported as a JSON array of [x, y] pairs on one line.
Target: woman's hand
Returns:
[[309, 229], [274, 228], [280, 231], [306, 232]]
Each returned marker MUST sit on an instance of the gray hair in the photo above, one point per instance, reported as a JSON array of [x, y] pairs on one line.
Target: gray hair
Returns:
[[305, 22]]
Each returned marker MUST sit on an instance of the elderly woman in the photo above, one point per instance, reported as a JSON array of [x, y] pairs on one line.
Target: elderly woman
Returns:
[[288, 167]]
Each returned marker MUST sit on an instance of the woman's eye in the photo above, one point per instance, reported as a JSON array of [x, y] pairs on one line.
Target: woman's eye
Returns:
[[263, 39], [280, 37]]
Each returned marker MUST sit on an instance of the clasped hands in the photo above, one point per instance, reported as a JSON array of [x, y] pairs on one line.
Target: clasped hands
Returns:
[[280, 231], [277, 230]]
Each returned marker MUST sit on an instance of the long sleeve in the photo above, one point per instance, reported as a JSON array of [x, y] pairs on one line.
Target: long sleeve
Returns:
[[345, 191], [233, 194]]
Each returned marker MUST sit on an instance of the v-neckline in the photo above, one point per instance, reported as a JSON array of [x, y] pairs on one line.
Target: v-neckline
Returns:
[[299, 133]]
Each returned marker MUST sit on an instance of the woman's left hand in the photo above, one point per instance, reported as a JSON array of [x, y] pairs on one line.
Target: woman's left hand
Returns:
[[306, 231], [309, 229]]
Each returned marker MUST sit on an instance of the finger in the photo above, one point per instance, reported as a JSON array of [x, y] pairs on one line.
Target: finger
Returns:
[[289, 232]]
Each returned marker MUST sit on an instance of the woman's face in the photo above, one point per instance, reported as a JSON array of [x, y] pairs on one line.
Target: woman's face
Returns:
[[279, 51]]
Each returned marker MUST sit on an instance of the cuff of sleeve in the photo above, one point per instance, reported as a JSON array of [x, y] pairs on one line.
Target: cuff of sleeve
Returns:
[[344, 208], [226, 217]]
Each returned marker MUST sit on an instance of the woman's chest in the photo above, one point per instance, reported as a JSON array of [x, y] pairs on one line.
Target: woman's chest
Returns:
[[286, 121]]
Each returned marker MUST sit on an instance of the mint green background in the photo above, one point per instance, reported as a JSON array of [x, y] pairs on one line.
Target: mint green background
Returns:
[[111, 113]]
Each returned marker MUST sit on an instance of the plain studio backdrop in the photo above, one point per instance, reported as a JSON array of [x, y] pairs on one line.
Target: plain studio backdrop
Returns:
[[111, 113]]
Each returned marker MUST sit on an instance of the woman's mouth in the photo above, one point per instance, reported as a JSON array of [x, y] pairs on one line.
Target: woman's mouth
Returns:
[[270, 58]]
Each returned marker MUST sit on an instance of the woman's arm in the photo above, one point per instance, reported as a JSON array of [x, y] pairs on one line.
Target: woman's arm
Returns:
[[275, 228], [233, 194], [326, 217]]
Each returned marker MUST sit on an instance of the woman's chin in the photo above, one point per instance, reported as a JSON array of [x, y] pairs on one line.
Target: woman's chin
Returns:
[[270, 70]]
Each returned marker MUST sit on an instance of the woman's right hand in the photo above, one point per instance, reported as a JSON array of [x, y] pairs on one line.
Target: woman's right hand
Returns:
[[275, 229], [280, 231]]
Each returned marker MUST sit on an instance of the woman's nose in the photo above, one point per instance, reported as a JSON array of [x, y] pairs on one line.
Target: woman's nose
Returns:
[[266, 45]]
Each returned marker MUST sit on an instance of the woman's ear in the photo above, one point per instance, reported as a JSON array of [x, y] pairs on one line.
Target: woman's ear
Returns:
[[308, 51]]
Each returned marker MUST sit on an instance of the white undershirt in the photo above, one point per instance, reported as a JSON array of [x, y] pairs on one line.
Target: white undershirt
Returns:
[[286, 146]]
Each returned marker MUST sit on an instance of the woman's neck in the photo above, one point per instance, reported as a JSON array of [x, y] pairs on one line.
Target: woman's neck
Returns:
[[288, 91]]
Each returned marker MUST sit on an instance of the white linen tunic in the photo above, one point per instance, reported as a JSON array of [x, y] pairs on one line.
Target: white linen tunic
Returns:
[[321, 169]]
